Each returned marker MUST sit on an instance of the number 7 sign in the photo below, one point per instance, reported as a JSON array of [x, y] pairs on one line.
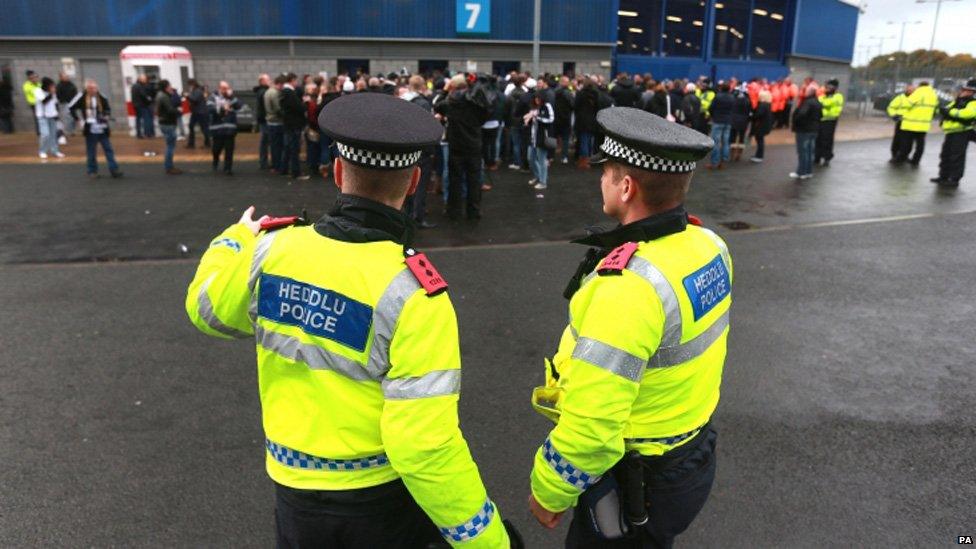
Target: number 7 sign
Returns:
[[473, 17]]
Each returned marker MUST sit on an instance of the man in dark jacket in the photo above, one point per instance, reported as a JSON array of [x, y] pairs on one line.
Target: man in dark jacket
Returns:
[[142, 100], [624, 92], [66, 91], [223, 107], [167, 114], [464, 121], [586, 105], [260, 116], [199, 115], [92, 107], [806, 125], [564, 116], [293, 114], [721, 114], [690, 107], [416, 205]]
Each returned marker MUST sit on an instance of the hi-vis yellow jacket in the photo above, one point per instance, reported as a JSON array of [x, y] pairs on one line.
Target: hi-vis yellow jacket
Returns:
[[358, 368], [833, 105], [922, 104], [640, 364]]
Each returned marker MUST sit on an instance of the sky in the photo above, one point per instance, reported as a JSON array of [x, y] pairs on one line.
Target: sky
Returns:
[[953, 36]]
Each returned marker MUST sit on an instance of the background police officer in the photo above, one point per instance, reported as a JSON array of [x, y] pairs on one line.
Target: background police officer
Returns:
[[833, 104], [958, 118], [358, 358], [896, 109], [638, 368]]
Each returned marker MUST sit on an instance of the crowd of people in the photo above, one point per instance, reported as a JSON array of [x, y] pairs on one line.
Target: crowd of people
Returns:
[[517, 120]]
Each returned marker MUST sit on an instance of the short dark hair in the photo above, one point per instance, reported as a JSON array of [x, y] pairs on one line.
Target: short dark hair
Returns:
[[280, 79], [291, 76], [163, 84], [658, 189]]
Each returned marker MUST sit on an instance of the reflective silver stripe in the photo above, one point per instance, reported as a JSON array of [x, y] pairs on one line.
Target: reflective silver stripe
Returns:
[[669, 299], [609, 358], [315, 357], [385, 317], [672, 356], [257, 262], [436, 383], [723, 249], [588, 278], [206, 312], [573, 330]]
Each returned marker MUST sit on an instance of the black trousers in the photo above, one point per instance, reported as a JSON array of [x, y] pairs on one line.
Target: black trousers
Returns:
[[223, 143], [952, 161], [896, 141], [907, 140], [675, 495], [203, 121], [466, 171], [760, 145], [381, 516], [824, 147]]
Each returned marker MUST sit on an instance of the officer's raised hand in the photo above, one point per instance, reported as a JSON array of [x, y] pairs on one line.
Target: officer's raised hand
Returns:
[[254, 225]]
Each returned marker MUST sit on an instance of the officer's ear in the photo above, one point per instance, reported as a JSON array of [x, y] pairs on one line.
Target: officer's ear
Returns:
[[628, 188], [337, 170], [414, 180]]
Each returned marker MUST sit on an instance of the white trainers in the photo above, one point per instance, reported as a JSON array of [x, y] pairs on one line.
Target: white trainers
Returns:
[[794, 175], [533, 181], [59, 154], [756, 160], [62, 140], [565, 161], [540, 186], [43, 156], [806, 176], [513, 166]]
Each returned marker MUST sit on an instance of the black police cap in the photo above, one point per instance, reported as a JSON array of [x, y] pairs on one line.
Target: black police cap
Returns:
[[379, 131], [649, 142], [970, 84], [833, 82]]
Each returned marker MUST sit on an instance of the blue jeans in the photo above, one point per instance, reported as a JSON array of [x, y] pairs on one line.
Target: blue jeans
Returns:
[[538, 158], [276, 135], [144, 122], [585, 144], [498, 143], [291, 148], [48, 141], [805, 144], [170, 133], [720, 135], [91, 148], [516, 133], [313, 154]]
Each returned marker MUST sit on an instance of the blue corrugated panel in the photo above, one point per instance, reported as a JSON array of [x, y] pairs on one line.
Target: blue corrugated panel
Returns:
[[825, 28], [678, 67], [563, 20]]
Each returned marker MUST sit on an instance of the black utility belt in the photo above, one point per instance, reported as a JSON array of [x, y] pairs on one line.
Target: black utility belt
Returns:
[[616, 505]]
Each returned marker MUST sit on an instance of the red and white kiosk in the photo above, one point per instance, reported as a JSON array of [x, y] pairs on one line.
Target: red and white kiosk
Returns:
[[173, 63]]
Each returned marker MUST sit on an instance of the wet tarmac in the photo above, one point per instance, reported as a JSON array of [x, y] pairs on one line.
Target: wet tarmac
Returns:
[[846, 417]]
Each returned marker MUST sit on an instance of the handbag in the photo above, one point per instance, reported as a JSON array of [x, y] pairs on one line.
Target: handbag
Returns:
[[549, 142]]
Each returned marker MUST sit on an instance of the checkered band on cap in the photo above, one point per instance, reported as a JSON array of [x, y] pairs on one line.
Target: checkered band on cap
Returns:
[[567, 470], [379, 160], [644, 160], [478, 523], [300, 460]]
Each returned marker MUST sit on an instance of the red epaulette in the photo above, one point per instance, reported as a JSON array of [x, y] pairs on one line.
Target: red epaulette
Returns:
[[617, 260], [424, 271], [694, 220], [273, 223]]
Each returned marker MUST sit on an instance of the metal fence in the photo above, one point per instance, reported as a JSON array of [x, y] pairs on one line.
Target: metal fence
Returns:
[[871, 89]]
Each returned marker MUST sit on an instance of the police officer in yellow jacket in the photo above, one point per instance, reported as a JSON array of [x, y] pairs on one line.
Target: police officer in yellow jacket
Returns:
[[832, 104], [357, 347], [958, 121], [916, 123], [636, 377], [897, 108]]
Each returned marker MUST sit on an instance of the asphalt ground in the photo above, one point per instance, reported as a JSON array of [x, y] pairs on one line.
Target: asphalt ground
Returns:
[[846, 417]]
